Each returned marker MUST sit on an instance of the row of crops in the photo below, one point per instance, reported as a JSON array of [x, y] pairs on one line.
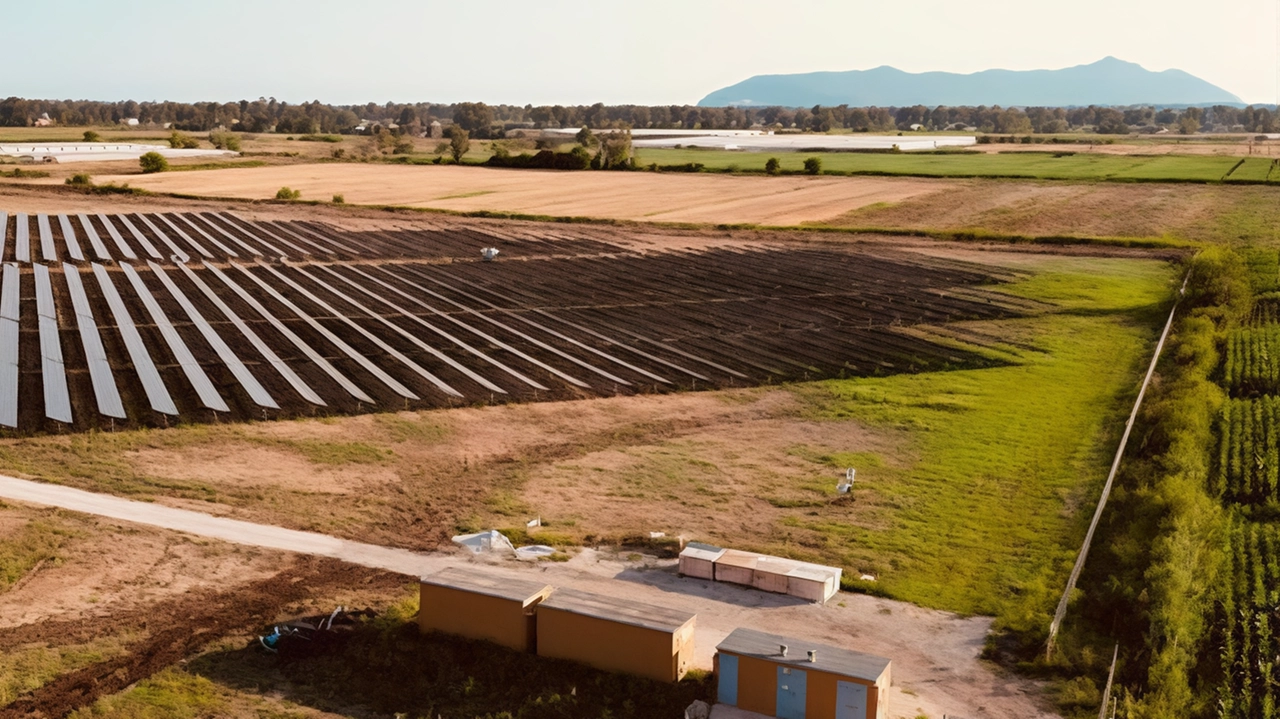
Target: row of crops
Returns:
[[1249, 622], [1246, 476]]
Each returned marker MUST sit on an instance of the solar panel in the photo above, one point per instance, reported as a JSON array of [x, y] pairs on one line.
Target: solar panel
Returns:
[[104, 384], [212, 240], [397, 328], [561, 336], [57, 400], [178, 252], [549, 348], [157, 395], [250, 383], [190, 367], [139, 237], [181, 233], [267, 353], [22, 239], [9, 346], [433, 328], [95, 241], [400, 331], [297, 341], [69, 237], [47, 248], [124, 247], [283, 228], [369, 336], [251, 228], [317, 235], [336, 341], [217, 228], [4, 232]]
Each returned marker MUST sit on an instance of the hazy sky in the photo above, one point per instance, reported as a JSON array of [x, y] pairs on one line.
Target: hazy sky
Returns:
[[584, 51]]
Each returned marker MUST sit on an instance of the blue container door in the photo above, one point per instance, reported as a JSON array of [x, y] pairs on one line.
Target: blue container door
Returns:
[[851, 700], [791, 696], [727, 690]]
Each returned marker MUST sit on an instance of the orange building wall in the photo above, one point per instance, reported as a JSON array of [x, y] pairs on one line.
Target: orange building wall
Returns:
[[477, 616], [758, 689], [614, 646]]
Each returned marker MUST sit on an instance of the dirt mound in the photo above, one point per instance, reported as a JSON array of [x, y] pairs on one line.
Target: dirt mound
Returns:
[[175, 629]]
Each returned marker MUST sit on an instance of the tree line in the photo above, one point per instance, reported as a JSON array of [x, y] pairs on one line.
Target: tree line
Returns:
[[487, 121]]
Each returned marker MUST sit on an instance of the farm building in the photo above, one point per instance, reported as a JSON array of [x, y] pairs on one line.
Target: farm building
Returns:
[[794, 679], [814, 582], [476, 604], [616, 635]]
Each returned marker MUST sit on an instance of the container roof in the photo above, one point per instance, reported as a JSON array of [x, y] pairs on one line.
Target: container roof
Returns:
[[845, 662], [480, 581], [778, 565], [698, 550], [647, 616]]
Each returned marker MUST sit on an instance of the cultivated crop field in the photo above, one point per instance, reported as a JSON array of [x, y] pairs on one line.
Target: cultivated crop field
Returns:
[[673, 197]]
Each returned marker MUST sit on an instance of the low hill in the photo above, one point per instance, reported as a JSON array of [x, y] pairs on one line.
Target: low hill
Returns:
[[1109, 81]]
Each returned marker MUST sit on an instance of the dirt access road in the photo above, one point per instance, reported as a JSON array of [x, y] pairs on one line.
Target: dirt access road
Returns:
[[937, 669], [650, 196]]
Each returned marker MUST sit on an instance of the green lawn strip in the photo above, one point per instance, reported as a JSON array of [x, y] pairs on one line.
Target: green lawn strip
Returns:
[[1031, 165], [987, 516], [38, 540]]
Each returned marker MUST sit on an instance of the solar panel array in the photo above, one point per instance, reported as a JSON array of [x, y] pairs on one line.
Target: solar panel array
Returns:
[[185, 316]]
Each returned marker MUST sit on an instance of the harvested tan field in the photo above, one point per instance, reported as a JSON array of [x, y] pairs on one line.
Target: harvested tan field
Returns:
[[1197, 212], [633, 196]]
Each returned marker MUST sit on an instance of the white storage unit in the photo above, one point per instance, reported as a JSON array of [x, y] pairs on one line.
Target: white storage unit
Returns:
[[814, 582], [699, 560]]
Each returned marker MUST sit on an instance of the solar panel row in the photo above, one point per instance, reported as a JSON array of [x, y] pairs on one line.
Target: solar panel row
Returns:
[[69, 237], [9, 293], [47, 250], [22, 238], [57, 399], [152, 385], [104, 384]]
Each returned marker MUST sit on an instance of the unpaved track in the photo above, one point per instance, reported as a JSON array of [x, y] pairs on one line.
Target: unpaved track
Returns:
[[935, 654]]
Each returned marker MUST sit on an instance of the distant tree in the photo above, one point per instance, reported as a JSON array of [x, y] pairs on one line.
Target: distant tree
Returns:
[[91, 136], [615, 150], [1188, 125], [153, 162], [584, 137], [284, 193], [813, 165], [474, 117], [225, 140], [80, 179], [182, 140], [772, 166], [459, 143]]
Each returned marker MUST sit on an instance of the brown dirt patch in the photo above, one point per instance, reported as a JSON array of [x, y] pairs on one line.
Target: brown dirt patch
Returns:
[[176, 628], [248, 466], [635, 196]]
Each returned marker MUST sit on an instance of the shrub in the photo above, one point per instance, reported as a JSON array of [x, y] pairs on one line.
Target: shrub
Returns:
[[284, 193], [80, 179], [181, 140], [338, 153], [812, 165], [339, 199], [320, 138], [153, 162], [772, 166], [225, 140], [404, 147], [91, 136]]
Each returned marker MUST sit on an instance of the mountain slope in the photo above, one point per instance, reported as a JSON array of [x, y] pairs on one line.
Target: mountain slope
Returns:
[[1106, 82]]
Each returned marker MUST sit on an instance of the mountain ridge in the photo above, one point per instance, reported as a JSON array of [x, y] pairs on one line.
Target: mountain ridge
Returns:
[[1109, 81]]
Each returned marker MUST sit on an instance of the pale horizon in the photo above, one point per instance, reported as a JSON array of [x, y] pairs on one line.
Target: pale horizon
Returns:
[[571, 52]]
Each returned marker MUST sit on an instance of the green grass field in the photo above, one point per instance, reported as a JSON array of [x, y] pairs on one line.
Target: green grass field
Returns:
[[1027, 165], [1005, 463]]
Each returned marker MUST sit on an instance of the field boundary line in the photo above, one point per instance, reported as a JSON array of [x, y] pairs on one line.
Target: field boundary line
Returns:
[[1061, 612]]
